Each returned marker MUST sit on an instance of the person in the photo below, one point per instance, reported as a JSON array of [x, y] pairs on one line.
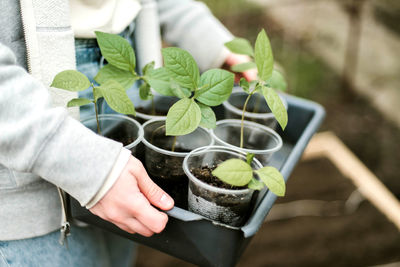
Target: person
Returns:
[[44, 147]]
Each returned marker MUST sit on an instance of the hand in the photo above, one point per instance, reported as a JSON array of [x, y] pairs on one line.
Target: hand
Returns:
[[128, 203], [233, 59]]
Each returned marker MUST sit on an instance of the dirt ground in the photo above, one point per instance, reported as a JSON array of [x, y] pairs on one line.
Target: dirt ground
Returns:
[[363, 237]]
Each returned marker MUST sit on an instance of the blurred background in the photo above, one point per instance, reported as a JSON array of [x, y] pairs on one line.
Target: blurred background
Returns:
[[345, 55]]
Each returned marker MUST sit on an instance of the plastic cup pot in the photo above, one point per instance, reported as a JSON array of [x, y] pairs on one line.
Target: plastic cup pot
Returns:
[[119, 128], [258, 139], [164, 165], [216, 200], [154, 109], [257, 109]]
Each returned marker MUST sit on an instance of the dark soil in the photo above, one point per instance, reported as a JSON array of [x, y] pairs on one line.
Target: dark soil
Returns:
[[361, 238], [205, 174]]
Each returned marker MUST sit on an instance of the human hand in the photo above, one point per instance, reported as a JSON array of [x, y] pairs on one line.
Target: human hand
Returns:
[[128, 203], [233, 59]]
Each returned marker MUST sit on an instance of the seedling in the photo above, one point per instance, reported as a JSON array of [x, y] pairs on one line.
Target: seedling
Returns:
[[113, 93], [180, 77], [269, 80], [235, 171]]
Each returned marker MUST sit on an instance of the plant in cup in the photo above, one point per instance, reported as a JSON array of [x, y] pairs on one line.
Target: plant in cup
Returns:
[[113, 93], [236, 172]]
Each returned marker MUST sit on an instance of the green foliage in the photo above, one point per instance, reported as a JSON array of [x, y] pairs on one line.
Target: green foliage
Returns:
[[275, 104], [239, 173], [234, 172], [71, 80], [117, 51], [243, 66], [216, 87], [263, 56], [183, 117], [110, 72], [277, 81], [116, 97], [77, 102], [208, 119], [145, 91], [181, 67], [240, 46]]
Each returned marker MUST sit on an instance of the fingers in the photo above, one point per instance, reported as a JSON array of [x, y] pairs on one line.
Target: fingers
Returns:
[[150, 190]]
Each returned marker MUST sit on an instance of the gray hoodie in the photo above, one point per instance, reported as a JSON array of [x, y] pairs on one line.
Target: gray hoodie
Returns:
[[41, 145]]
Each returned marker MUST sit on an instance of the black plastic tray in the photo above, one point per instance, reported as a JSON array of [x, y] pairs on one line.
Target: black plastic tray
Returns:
[[195, 239]]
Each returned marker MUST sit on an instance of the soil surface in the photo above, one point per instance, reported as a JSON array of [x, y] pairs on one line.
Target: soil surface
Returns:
[[361, 236]]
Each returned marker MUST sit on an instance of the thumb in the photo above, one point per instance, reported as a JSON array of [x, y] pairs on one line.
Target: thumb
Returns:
[[152, 191]]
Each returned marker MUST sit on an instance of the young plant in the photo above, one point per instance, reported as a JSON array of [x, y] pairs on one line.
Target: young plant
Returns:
[[180, 77], [237, 172], [121, 65], [269, 80], [113, 93]]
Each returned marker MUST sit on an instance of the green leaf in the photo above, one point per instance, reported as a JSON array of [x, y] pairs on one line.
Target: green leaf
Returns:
[[234, 172], [144, 91], [208, 119], [109, 72], [149, 67], [243, 66], [255, 184], [181, 67], [276, 106], [277, 81], [183, 117], [273, 179], [116, 50], [218, 85], [249, 158], [160, 81], [263, 56], [116, 97], [240, 46], [71, 80], [97, 93], [77, 102], [179, 91], [244, 84]]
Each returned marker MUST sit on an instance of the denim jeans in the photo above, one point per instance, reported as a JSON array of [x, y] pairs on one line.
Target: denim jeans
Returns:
[[87, 246]]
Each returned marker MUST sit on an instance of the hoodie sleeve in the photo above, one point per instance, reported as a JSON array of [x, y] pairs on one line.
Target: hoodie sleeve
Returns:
[[38, 138]]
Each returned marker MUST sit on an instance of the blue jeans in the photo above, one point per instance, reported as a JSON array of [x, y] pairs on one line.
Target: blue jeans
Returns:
[[87, 246]]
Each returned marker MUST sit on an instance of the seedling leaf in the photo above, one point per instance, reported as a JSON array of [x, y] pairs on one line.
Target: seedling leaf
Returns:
[[116, 50], [149, 67], [240, 46], [249, 158], [208, 119], [243, 66], [234, 172], [181, 66], [116, 97], [97, 93], [273, 179], [109, 72], [275, 104], [71, 80], [244, 84], [263, 56], [144, 91], [77, 102], [277, 81], [183, 117], [179, 91], [159, 79], [255, 184], [218, 86]]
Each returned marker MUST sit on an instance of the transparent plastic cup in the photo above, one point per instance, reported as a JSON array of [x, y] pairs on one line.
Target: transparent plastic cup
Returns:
[[164, 165], [228, 206], [119, 128], [161, 106], [258, 139], [257, 109]]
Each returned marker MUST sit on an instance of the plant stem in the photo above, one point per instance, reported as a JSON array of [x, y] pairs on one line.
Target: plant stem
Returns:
[[97, 117], [242, 123], [154, 132], [173, 144]]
